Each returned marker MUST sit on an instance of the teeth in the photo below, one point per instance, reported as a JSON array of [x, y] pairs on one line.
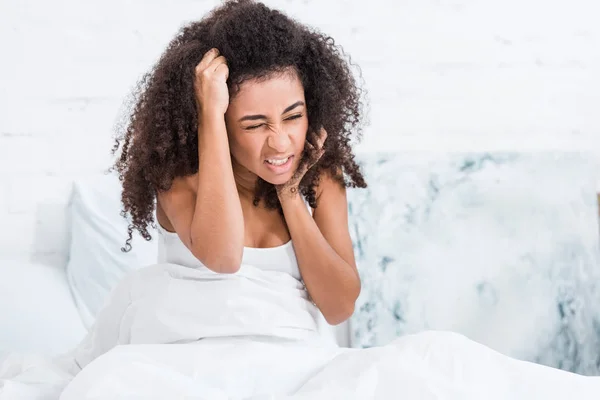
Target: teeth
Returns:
[[278, 162]]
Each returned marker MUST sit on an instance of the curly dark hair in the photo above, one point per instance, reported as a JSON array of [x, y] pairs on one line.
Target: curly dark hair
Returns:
[[160, 141]]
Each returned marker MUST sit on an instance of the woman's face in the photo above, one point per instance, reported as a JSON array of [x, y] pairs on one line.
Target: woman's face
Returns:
[[266, 125]]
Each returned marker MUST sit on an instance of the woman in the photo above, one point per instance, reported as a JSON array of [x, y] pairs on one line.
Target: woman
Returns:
[[240, 142], [229, 138]]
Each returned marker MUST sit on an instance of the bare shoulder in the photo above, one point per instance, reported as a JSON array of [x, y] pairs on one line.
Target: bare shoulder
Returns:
[[175, 207], [182, 185], [331, 198], [329, 182]]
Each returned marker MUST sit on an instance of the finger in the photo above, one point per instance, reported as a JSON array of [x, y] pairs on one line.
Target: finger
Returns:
[[208, 57], [318, 137], [302, 171], [319, 154], [216, 62], [222, 69], [313, 156], [322, 135], [311, 138]]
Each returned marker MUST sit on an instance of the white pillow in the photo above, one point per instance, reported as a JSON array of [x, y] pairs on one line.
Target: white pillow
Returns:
[[37, 309], [98, 232]]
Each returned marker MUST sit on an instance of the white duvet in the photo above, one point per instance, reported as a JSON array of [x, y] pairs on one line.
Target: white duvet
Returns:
[[174, 332]]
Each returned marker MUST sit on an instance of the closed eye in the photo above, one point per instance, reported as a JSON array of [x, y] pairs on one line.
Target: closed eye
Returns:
[[287, 119], [294, 117]]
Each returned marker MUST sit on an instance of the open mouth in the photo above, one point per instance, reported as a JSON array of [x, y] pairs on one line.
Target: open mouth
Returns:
[[279, 165]]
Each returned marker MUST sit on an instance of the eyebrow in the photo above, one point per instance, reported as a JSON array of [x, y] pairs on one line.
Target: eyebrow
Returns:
[[255, 117]]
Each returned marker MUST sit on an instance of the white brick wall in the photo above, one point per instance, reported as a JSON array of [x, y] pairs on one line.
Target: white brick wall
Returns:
[[441, 74]]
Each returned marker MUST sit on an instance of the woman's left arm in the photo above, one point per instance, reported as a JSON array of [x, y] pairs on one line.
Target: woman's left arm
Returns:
[[323, 248]]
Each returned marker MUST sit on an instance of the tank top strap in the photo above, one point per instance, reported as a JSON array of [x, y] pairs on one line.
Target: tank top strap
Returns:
[[310, 210]]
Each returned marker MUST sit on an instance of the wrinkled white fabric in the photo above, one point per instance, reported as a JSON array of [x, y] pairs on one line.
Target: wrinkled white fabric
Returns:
[[170, 331], [426, 366], [173, 304], [178, 330]]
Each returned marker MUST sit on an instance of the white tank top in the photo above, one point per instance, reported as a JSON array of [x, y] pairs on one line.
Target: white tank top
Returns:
[[280, 258], [171, 250]]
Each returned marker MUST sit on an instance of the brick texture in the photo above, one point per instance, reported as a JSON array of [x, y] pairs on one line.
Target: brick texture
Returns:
[[441, 75]]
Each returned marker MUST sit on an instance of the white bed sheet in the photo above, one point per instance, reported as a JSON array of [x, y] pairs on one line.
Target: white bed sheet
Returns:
[[426, 366], [172, 332]]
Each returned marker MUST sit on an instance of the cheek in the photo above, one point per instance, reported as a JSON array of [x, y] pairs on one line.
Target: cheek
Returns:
[[236, 148], [244, 148], [299, 133]]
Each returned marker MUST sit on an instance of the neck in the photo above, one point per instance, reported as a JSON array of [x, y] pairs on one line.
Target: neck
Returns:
[[245, 181]]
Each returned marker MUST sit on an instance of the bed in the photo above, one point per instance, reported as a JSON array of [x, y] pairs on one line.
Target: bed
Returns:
[[47, 308]]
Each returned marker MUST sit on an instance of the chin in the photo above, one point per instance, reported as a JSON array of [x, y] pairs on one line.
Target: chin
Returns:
[[276, 179], [278, 175]]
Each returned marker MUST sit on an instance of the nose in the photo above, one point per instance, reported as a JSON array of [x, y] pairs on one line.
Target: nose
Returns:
[[279, 140]]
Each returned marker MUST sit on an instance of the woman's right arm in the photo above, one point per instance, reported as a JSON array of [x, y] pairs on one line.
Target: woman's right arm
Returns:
[[209, 219]]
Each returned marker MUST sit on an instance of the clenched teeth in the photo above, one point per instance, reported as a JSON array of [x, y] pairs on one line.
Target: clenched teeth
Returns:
[[278, 162]]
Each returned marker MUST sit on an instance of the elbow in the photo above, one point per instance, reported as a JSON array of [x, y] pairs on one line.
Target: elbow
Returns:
[[345, 310], [339, 316], [224, 265], [222, 262]]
